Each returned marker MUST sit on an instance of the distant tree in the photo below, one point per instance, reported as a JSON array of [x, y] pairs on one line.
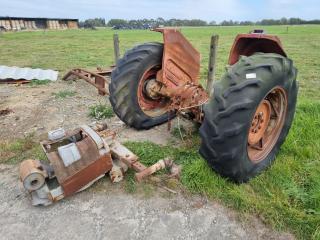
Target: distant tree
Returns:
[[295, 21], [95, 22], [227, 23], [246, 23], [151, 23], [114, 22]]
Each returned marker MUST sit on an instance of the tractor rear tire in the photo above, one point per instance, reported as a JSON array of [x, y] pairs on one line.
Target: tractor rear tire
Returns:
[[234, 118], [128, 81]]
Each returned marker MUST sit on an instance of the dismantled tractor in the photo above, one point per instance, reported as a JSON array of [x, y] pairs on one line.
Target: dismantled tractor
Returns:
[[245, 117]]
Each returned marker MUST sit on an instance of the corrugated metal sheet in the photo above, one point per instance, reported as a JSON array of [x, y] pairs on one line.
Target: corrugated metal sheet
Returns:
[[16, 73]]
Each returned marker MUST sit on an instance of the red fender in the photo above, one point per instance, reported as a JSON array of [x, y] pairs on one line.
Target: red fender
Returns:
[[248, 44]]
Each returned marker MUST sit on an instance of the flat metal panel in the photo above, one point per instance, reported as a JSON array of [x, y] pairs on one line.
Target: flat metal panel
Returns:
[[16, 73]]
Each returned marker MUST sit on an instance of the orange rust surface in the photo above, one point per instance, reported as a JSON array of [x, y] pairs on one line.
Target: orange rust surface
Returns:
[[29, 166], [181, 61], [248, 44], [87, 174], [91, 165]]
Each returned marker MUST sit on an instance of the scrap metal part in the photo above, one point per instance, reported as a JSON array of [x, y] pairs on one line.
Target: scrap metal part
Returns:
[[77, 159], [99, 78]]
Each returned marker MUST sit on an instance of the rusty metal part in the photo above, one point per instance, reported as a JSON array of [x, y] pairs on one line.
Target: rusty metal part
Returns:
[[122, 153], [180, 62], [97, 78], [267, 124], [175, 87], [100, 127], [93, 154], [248, 44], [150, 102], [187, 98], [260, 122], [95, 160], [32, 174], [175, 171], [117, 171], [5, 111], [161, 164]]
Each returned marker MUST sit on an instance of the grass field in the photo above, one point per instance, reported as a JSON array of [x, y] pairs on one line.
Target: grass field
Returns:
[[287, 196]]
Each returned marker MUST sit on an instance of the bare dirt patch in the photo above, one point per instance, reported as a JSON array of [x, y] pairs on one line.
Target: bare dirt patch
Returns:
[[39, 109]]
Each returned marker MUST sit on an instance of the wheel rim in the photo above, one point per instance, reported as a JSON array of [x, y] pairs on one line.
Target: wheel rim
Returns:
[[266, 124], [153, 107]]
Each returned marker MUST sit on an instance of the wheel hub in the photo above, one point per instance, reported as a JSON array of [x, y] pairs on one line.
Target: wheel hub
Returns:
[[260, 122], [266, 124]]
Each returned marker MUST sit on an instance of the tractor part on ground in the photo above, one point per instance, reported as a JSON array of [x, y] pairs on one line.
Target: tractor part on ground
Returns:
[[248, 115], [161, 164], [166, 163], [77, 159], [99, 78]]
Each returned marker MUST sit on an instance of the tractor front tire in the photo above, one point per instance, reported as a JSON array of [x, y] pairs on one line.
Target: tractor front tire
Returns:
[[249, 116], [127, 88]]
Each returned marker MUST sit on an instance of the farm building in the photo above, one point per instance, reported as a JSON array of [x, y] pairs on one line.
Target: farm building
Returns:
[[21, 23]]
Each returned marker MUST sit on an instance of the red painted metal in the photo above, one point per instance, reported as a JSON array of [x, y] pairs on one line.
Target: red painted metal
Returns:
[[248, 44]]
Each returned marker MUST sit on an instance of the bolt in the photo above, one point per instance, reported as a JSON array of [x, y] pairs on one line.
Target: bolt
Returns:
[[255, 131], [252, 130]]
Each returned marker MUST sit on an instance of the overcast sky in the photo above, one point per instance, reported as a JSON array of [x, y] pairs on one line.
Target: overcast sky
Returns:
[[208, 10]]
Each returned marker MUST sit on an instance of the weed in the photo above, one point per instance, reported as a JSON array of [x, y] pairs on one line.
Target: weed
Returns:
[[64, 93], [19, 150], [35, 83], [130, 183], [101, 111]]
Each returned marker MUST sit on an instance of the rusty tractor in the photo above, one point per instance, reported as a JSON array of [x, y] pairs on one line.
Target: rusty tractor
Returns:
[[245, 117]]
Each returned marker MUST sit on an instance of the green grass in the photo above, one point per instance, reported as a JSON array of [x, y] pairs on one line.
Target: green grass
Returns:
[[101, 111], [35, 83], [63, 50], [64, 94], [285, 196], [20, 149]]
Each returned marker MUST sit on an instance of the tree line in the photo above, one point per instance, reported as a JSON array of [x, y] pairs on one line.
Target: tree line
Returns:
[[151, 23]]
